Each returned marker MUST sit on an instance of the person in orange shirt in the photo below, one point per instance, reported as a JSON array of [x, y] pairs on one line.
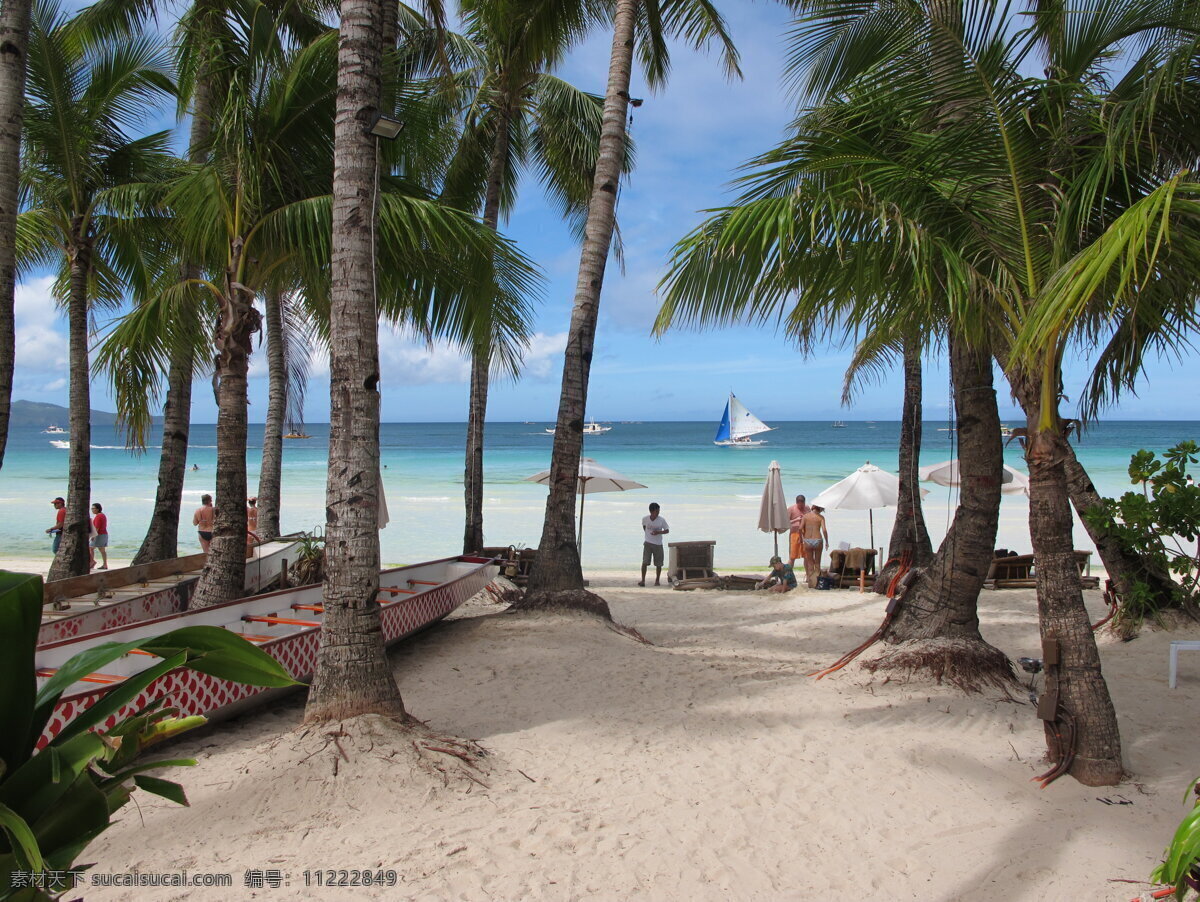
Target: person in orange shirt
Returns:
[[99, 539]]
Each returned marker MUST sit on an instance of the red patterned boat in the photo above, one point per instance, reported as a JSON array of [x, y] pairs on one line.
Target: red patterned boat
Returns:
[[285, 624], [82, 605]]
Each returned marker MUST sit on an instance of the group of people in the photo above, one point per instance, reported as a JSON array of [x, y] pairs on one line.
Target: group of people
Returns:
[[807, 539], [205, 520], [97, 532]]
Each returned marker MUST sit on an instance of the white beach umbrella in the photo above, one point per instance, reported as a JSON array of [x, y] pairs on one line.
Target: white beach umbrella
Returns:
[[866, 488], [773, 512], [593, 477], [1012, 482]]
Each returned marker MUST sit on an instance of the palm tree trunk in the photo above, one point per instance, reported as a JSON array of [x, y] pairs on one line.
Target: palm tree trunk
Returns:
[[557, 567], [352, 674], [935, 628], [14, 41], [1083, 697], [162, 538], [72, 557], [1124, 567], [909, 536], [224, 575], [270, 477], [481, 357]]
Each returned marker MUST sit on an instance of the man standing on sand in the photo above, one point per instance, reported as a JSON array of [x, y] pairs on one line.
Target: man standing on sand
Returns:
[[812, 532], [796, 513], [203, 520], [99, 539], [654, 528], [60, 520]]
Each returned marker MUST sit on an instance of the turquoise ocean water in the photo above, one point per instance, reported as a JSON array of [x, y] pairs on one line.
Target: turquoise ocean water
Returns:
[[706, 492]]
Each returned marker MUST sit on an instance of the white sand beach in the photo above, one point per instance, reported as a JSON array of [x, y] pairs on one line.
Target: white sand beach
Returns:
[[706, 765]]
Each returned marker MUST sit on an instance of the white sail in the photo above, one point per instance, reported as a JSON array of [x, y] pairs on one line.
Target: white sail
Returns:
[[742, 423]]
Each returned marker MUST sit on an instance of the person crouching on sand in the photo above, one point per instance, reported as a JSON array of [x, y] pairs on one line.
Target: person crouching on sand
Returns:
[[780, 579]]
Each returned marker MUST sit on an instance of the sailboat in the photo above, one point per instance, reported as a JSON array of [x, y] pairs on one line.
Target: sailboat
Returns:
[[738, 425]]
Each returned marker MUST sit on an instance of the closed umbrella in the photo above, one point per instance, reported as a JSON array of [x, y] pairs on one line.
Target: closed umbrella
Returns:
[[593, 477], [773, 512], [866, 488], [1012, 482]]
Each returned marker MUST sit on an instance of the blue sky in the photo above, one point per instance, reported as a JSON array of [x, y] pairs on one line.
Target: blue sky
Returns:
[[691, 138]]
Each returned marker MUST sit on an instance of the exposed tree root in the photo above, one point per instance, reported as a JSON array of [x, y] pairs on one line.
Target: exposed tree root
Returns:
[[577, 600], [969, 664]]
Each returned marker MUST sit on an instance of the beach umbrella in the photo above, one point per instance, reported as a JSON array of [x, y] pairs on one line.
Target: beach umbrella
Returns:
[[1012, 482], [866, 488], [593, 477], [773, 512]]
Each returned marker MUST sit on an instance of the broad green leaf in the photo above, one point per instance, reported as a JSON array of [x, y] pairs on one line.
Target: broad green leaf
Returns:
[[165, 788], [21, 839], [20, 617]]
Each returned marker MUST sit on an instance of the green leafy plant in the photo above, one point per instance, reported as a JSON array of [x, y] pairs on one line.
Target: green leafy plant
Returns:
[[309, 567], [1181, 861], [1161, 524], [56, 800]]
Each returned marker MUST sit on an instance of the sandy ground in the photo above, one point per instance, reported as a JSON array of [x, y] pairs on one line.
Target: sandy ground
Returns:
[[705, 765]]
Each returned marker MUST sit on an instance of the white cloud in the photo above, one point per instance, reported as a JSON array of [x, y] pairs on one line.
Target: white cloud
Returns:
[[41, 342], [544, 357], [405, 359]]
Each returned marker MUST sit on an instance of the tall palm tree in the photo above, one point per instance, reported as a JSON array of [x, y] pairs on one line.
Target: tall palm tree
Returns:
[[14, 41], [82, 101], [641, 27], [520, 116]]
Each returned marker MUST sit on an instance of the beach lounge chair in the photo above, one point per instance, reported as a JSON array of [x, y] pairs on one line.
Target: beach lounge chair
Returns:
[[1017, 571], [847, 564]]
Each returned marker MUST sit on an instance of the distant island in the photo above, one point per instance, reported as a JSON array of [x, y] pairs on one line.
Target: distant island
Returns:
[[34, 413]]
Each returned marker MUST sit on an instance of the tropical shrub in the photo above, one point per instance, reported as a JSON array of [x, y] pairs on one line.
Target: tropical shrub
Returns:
[[1181, 862], [1161, 524], [57, 799]]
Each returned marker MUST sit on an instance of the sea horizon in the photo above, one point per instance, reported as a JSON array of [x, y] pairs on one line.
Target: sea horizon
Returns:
[[706, 492]]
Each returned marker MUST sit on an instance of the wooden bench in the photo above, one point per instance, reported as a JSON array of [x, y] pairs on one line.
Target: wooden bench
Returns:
[[847, 576], [1016, 571], [1176, 647]]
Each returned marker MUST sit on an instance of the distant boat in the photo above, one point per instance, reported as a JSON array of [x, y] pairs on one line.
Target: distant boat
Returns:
[[297, 435], [592, 428], [66, 446], [738, 425], [54, 430], [839, 424]]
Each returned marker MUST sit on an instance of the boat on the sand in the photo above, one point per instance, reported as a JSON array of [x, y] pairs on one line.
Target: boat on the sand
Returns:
[[286, 624], [99, 601]]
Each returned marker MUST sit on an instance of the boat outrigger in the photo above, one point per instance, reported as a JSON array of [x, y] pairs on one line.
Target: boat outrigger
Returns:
[[739, 425], [285, 624], [82, 605]]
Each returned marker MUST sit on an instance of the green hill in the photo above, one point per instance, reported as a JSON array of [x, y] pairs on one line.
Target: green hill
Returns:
[[33, 413]]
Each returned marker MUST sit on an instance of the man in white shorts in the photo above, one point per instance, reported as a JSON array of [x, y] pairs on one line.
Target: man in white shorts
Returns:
[[654, 528]]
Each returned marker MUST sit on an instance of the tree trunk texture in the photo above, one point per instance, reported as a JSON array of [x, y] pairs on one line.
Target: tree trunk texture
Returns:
[[270, 478], [1124, 567], [1083, 693], [481, 356], [557, 567], [14, 42], [909, 536], [162, 538], [352, 675], [935, 629], [224, 575], [72, 557]]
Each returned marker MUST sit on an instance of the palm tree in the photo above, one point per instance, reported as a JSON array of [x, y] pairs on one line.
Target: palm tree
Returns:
[[642, 26], [14, 41], [82, 100], [519, 116]]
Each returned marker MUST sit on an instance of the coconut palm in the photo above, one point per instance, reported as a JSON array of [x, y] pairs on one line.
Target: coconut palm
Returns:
[[642, 28], [82, 102], [14, 39], [1006, 197], [519, 116]]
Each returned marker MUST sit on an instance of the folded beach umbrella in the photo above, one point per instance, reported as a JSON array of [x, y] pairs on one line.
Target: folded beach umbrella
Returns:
[[1012, 482], [866, 488], [593, 477], [773, 512]]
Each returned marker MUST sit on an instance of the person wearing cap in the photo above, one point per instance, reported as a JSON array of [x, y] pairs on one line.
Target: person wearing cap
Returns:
[[780, 579], [99, 538], [815, 536], [60, 520]]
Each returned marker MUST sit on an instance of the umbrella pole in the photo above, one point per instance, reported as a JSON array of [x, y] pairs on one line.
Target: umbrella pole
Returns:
[[776, 544], [871, 520], [581, 500]]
